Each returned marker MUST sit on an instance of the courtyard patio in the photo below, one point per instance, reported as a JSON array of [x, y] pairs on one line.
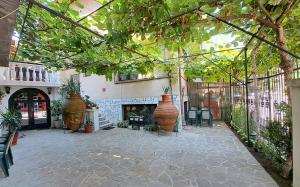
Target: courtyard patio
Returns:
[[123, 157]]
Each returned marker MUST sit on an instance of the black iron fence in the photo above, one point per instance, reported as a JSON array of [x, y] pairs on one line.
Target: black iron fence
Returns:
[[271, 92]]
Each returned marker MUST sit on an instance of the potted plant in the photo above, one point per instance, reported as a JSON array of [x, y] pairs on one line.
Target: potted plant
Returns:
[[11, 120], [71, 87], [89, 126], [89, 104], [94, 106], [166, 90], [166, 113], [74, 107], [56, 111]]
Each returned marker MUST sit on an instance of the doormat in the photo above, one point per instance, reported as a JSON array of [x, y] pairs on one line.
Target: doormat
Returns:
[[108, 128]]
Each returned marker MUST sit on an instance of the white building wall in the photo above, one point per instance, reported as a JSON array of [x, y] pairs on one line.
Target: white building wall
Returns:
[[110, 96]]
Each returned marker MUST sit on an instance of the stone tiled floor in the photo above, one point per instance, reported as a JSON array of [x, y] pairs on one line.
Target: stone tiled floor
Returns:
[[204, 157]]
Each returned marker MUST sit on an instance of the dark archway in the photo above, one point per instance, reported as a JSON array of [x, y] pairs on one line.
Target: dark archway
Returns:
[[34, 105]]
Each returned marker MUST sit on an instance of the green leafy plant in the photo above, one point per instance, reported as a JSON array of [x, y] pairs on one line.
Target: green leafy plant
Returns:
[[56, 109], [226, 115], [270, 152], [277, 140], [239, 123], [88, 102], [88, 123], [166, 89], [151, 127], [11, 119], [123, 124], [238, 120], [71, 86], [136, 128]]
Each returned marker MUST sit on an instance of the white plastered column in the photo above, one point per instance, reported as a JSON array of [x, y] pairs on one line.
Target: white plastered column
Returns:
[[295, 94]]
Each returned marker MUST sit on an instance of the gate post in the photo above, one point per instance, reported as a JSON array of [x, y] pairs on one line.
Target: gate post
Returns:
[[247, 94]]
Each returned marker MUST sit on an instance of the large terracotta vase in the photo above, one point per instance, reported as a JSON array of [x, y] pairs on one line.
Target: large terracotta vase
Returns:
[[73, 110], [166, 114]]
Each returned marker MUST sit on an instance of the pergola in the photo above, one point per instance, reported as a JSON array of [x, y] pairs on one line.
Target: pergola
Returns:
[[99, 39]]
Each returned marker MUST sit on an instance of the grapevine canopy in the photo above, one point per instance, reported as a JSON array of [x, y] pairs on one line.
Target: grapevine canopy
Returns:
[[131, 35]]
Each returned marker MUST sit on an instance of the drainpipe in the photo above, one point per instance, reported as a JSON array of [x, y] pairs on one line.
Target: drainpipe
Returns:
[[170, 84], [180, 91]]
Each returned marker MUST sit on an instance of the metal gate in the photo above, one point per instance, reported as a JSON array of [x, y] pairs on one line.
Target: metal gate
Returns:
[[213, 96]]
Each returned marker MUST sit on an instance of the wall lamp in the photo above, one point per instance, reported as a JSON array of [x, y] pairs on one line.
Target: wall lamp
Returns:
[[7, 89], [49, 90]]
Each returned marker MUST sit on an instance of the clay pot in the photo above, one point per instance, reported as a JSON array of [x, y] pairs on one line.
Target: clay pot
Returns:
[[88, 128], [15, 139], [73, 111], [57, 124], [166, 114]]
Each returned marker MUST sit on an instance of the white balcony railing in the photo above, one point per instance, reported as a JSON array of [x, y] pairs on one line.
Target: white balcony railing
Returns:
[[28, 74]]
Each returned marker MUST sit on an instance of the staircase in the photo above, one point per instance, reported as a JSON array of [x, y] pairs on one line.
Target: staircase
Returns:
[[103, 122]]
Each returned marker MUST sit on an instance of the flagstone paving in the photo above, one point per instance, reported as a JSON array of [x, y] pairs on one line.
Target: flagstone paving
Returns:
[[205, 157]]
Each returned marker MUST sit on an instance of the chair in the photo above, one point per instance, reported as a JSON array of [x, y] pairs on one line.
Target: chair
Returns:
[[194, 108], [3, 141], [192, 117], [206, 115], [5, 157]]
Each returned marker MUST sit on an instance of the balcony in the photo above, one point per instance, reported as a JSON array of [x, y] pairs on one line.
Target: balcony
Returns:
[[28, 74], [136, 77]]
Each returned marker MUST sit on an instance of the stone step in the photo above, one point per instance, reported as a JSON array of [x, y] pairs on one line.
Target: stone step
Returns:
[[101, 118], [101, 115], [103, 122], [106, 125]]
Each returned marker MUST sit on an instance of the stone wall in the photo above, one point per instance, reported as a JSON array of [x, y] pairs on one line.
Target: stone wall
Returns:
[[112, 108]]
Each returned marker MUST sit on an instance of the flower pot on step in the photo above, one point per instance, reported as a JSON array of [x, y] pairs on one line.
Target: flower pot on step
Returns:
[[15, 139], [88, 128], [166, 114]]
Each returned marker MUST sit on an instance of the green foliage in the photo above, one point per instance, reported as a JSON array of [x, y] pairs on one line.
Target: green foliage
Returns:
[[277, 140], [151, 127], [136, 128], [88, 102], [133, 34], [238, 120], [71, 86], [226, 113], [56, 108], [166, 89], [271, 153], [11, 119], [239, 123], [89, 122], [123, 124]]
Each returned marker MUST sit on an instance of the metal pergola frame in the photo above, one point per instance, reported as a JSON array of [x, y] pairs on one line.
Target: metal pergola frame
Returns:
[[243, 49]]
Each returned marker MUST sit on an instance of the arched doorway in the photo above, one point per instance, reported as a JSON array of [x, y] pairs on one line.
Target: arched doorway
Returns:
[[34, 107]]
